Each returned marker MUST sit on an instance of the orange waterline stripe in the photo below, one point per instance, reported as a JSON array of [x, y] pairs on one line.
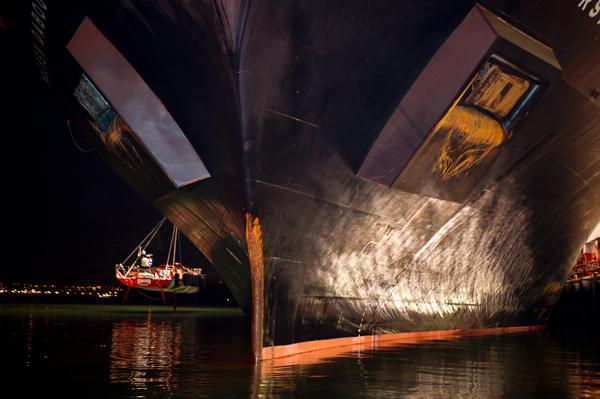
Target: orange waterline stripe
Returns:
[[348, 344]]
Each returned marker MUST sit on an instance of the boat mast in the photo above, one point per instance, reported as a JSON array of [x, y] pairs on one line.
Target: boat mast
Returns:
[[145, 242], [173, 246]]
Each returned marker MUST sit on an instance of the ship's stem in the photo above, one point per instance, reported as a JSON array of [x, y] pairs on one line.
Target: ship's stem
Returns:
[[255, 257]]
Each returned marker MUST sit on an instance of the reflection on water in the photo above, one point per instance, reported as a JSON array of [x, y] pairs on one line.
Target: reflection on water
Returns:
[[104, 351], [145, 352], [528, 365]]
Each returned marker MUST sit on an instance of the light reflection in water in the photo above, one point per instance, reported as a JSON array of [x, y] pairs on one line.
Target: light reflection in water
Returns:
[[126, 352], [145, 352], [29, 345], [583, 379], [528, 365]]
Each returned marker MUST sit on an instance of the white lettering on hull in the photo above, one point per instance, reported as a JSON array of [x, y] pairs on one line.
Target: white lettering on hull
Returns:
[[593, 11]]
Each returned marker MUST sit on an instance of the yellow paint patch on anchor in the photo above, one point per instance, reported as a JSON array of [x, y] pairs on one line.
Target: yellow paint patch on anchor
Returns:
[[470, 137]]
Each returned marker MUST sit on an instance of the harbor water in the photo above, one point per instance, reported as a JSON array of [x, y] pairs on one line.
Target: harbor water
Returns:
[[147, 351]]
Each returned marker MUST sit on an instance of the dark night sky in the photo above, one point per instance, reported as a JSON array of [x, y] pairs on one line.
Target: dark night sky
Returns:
[[69, 217]]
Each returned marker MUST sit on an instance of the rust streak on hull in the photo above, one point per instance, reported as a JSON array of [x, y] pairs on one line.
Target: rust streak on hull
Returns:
[[255, 257]]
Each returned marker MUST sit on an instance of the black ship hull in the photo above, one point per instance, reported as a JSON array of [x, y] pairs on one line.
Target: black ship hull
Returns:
[[288, 105]]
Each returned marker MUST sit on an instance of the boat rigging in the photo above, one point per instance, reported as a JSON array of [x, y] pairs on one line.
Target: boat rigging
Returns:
[[139, 271]]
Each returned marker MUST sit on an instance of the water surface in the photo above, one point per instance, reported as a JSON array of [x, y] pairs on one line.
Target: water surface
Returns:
[[142, 351]]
